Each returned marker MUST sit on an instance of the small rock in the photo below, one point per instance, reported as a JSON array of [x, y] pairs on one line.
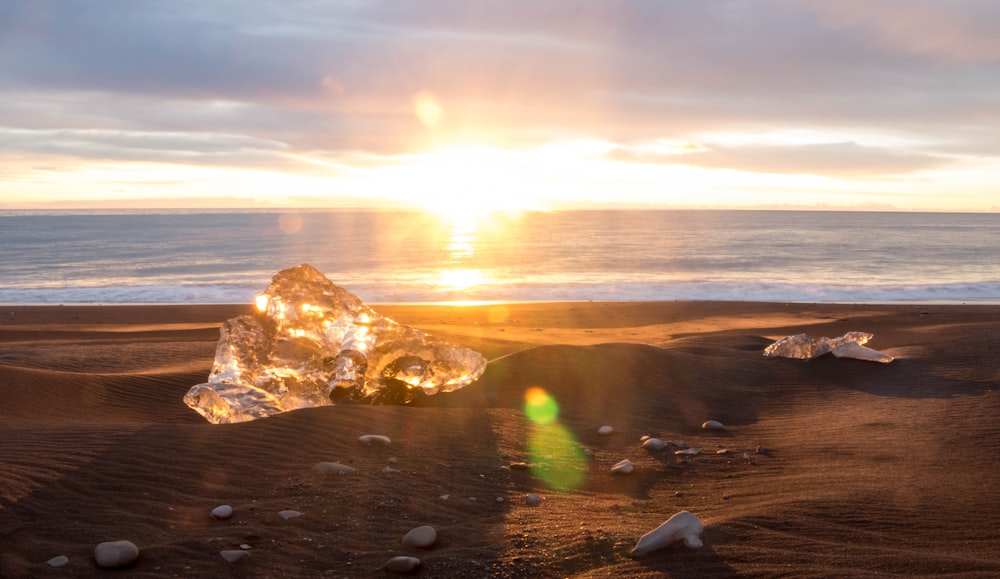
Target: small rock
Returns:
[[532, 500], [370, 438], [233, 555], [500, 499], [244, 546], [444, 497], [723, 451], [679, 444], [58, 561], [115, 554], [654, 444], [605, 430], [332, 468], [519, 466], [687, 452], [623, 467], [712, 425], [683, 526], [389, 469], [289, 514], [761, 450], [401, 564], [421, 537], [222, 512], [725, 497], [644, 438], [747, 457]]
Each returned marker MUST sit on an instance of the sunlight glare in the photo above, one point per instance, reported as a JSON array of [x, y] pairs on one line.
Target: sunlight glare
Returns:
[[460, 279]]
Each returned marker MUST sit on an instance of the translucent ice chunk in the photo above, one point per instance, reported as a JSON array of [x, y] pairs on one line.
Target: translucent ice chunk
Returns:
[[850, 345], [313, 343]]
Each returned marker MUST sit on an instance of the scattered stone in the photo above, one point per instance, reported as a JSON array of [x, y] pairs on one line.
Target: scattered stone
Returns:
[[683, 526], [747, 457], [444, 497], [421, 537], [519, 466], [392, 460], [58, 561], [761, 450], [679, 444], [244, 546], [371, 438], [533, 500], [725, 497], [389, 469], [233, 555], [402, 564], [687, 452], [644, 438], [723, 451], [332, 468], [623, 467], [654, 444], [289, 514], [500, 499], [712, 425], [114, 554], [222, 512], [605, 430]]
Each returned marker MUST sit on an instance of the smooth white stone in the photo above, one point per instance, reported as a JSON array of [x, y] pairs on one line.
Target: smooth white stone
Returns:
[[605, 430], [681, 527], [533, 500], [723, 451], [58, 561], [687, 452], [623, 467], [712, 425], [332, 468], [289, 514], [233, 555], [422, 537], [113, 554], [654, 444], [370, 438], [401, 564], [222, 512]]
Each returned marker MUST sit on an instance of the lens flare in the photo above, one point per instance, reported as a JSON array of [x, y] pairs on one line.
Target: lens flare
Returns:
[[539, 407], [556, 457]]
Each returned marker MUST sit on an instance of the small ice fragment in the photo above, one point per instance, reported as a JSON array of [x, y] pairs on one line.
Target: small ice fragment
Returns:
[[683, 526], [654, 444], [623, 467]]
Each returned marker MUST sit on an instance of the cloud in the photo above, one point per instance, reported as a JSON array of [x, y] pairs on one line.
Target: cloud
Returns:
[[842, 160]]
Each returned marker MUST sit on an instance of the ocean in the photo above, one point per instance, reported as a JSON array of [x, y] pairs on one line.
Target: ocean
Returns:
[[203, 256]]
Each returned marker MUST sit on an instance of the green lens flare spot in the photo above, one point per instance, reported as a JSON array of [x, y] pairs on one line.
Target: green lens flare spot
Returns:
[[539, 407], [556, 457]]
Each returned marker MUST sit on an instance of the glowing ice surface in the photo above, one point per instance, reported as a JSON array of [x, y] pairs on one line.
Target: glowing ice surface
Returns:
[[850, 345], [312, 343]]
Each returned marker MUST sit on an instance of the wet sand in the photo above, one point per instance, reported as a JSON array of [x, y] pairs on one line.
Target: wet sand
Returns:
[[865, 469]]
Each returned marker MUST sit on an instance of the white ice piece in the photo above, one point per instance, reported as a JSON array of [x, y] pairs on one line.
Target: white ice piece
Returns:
[[850, 345], [683, 526]]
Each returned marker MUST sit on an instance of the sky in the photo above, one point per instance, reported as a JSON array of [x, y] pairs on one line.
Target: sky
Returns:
[[859, 104]]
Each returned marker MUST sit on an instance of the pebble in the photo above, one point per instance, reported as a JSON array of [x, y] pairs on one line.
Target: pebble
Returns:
[[605, 430], [58, 561], [654, 444], [370, 438], [712, 425], [332, 468], [623, 467], [723, 451], [679, 444], [687, 452], [115, 554], [532, 500], [222, 512], [747, 457], [233, 555], [389, 469], [401, 564], [444, 497], [289, 514], [421, 537]]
